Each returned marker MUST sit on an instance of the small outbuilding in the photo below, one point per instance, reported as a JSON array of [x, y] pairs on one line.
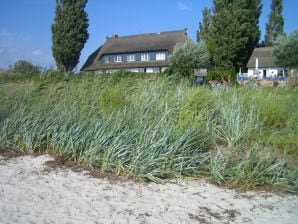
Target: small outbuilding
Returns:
[[261, 65], [200, 75]]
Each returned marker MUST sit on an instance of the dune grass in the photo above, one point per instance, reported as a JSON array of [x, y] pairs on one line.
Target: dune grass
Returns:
[[152, 128]]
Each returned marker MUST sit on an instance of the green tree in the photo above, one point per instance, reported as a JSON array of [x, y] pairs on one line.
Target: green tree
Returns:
[[233, 32], [275, 25], [69, 33], [205, 24], [189, 56], [285, 50], [23, 67], [250, 19]]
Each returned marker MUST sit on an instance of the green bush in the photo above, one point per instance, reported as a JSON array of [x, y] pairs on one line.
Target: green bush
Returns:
[[21, 70], [187, 57], [285, 50], [221, 75], [24, 68]]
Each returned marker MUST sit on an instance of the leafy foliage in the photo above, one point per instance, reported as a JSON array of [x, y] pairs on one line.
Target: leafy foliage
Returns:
[[221, 75], [189, 56], [69, 33], [285, 50], [24, 67], [21, 70], [275, 25], [233, 32]]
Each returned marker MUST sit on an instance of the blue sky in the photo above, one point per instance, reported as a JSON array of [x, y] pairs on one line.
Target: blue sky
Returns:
[[25, 25]]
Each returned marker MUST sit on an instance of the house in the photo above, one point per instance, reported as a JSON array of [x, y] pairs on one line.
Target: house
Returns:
[[261, 65], [137, 53]]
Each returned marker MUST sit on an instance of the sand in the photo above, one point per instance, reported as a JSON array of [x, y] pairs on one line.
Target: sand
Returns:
[[31, 192]]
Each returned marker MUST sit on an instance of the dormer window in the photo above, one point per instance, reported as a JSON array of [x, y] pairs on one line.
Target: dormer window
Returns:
[[131, 57], [145, 57], [160, 56], [117, 58], [107, 59]]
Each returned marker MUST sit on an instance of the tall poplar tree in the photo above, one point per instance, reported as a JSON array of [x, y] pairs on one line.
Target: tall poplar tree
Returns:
[[250, 19], [69, 33], [205, 24], [275, 25], [234, 32]]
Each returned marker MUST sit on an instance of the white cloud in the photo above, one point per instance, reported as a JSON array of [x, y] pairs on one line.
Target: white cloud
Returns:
[[37, 52], [182, 6]]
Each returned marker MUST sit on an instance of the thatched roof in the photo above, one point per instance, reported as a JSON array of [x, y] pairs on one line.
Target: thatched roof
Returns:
[[133, 44], [264, 55], [201, 72]]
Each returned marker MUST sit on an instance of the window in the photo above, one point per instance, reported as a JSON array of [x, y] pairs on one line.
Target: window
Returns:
[[160, 56], [117, 58], [152, 70], [107, 59], [145, 57], [131, 57]]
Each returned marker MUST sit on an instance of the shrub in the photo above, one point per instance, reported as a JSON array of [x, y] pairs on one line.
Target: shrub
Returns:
[[21, 70], [285, 50], [24, 68], [221, 75], [189, 56]]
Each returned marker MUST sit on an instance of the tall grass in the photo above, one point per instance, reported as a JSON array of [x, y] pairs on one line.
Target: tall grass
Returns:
[[132, 134], [238, 116], [148, 127]]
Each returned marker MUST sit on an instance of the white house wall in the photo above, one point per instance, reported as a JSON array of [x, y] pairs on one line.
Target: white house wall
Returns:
[[250, 72], [270, 72]]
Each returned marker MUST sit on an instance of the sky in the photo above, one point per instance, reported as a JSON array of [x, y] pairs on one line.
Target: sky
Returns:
[[25, 25]]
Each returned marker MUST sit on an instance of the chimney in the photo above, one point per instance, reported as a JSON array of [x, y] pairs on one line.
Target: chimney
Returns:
[[114, 36]]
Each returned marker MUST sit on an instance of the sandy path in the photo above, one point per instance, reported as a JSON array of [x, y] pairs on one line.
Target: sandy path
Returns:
[[30, 194]]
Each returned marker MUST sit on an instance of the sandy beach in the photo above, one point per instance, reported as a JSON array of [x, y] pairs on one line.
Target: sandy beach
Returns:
[[33, 192]]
